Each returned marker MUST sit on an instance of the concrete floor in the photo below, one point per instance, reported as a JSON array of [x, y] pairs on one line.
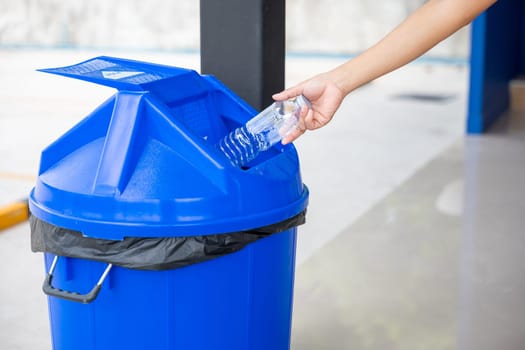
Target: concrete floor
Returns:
[[413, 232], [436, 264]]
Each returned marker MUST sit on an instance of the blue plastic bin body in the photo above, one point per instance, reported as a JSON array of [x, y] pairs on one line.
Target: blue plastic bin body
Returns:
[[238, 301], [144, 164]]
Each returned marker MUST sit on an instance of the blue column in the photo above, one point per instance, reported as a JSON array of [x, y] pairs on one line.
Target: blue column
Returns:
[[497, 47]]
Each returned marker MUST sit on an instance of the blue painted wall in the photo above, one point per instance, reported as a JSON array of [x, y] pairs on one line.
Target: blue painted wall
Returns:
[[497, 56]]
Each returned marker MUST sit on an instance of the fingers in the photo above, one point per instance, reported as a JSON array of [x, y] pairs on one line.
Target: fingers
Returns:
[[293, 135], [288, 93], [309, 121], [300, 129]]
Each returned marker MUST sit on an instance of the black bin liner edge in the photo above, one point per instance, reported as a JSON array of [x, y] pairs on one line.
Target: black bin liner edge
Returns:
[[148, 253]]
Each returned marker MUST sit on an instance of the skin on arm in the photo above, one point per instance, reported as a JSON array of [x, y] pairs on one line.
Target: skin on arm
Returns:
[[433, 22]]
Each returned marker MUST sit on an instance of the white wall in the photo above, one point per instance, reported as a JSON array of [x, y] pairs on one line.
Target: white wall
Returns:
[[353, 25], [158, 24], [327, 26]]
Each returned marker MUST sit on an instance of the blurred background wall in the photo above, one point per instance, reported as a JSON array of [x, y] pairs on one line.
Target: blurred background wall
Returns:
[[313, 26]]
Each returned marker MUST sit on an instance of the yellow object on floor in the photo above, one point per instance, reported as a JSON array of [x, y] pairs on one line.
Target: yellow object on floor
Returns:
[[13, 214]]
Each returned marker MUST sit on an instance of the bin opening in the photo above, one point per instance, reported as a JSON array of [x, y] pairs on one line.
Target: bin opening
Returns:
[[205, 110]]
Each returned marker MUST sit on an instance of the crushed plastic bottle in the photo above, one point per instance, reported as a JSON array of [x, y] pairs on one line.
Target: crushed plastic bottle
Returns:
[[245, 143]]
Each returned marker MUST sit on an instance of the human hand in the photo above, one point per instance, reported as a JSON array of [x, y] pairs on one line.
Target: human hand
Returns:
[[325, 97]]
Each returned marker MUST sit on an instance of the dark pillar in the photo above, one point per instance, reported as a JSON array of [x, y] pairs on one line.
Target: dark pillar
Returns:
[[243, 45]]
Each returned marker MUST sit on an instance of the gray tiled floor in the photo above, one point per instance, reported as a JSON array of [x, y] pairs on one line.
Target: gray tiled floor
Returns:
[[404, 211]]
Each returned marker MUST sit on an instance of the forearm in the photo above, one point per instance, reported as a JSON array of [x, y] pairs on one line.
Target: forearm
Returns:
[[426, 27]]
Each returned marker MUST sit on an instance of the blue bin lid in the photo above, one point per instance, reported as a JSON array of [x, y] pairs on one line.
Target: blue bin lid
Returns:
[[144, 163]]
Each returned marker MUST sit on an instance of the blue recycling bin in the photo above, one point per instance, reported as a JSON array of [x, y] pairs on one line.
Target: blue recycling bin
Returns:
[[142, 169]]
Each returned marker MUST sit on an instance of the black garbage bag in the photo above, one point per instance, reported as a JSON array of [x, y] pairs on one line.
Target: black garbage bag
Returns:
[[148, 253]]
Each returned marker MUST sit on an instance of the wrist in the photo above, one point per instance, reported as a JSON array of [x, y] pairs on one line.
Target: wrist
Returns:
[[343, 78]]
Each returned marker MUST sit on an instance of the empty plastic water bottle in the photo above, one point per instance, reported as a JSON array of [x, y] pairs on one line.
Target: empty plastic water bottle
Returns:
[[263, 131]]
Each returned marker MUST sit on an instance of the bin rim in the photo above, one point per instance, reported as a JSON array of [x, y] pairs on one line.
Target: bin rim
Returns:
[[115, 230]]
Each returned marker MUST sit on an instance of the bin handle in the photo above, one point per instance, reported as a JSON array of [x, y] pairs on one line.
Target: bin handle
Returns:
[[73, 296]]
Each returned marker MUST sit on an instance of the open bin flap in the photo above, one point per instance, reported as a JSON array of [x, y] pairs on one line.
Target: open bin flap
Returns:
[[122, 74]]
